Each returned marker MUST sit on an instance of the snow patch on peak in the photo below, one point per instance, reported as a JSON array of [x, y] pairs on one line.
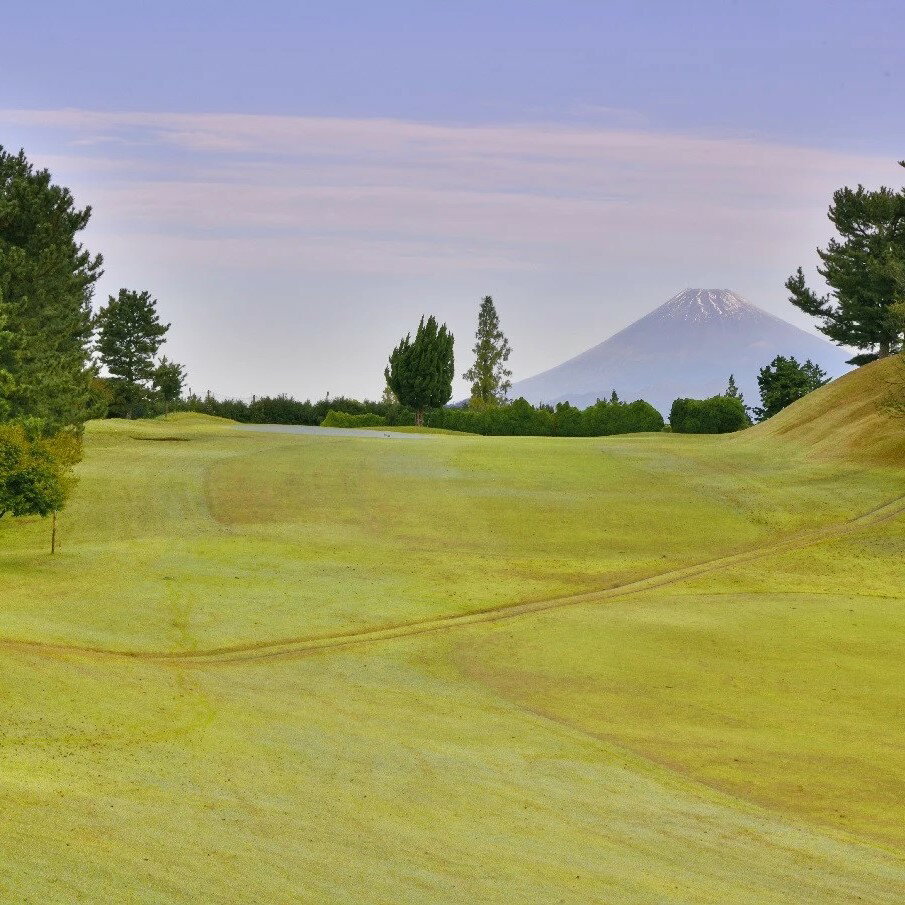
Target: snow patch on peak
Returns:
[[704, 304]]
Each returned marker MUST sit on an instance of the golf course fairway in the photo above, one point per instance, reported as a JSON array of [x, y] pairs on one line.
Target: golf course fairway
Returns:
[[274, 668]]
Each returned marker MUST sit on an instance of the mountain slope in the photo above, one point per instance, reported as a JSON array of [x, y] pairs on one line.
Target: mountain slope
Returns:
[[687, 347]]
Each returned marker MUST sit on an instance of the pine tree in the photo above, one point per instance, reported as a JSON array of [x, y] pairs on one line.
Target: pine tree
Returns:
[[169, 379], [783, 381], [614, 398], [129, 335], [489, 375], [421, 371], [863, 270], [46, 280]]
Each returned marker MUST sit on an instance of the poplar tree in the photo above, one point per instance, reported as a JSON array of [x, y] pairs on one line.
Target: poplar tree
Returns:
[[420, 371], [46, 282], [489, 376], [863, 270], [129, 336]]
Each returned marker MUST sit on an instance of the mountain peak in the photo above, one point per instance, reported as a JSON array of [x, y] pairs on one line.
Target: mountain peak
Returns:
[[704, 304]]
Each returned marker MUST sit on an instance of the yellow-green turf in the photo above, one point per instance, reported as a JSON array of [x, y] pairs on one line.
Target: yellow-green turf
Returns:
[[455, 669]]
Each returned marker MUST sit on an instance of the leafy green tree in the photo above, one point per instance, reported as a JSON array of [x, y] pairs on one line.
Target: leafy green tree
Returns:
[[169, 379], [489, 376], [863, 270], [421, 370], [46, 281], [783, 381], [129, 335], [716, 415], [36, 471]]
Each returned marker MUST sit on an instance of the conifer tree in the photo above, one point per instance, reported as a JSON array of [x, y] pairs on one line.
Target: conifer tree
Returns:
[[421, 371], [129, 335], [46, 281], [489, 376], [785, 380], [169, 379], [863, 270]]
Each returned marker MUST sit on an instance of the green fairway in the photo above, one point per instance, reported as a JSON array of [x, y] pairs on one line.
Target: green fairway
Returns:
[[642, 669]]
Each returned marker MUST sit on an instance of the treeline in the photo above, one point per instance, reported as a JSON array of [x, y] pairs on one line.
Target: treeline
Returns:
[[520, 419], [285, 409]]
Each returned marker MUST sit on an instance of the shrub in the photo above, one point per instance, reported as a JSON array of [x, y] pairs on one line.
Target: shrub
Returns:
[[344, 419], [716, 415]]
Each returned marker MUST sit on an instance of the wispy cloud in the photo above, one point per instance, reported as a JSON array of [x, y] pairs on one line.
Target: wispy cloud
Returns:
[[521, 205]]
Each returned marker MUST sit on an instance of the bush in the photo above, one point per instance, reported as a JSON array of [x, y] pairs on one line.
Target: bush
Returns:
[[521, 419], [343, 419], [716, 415]]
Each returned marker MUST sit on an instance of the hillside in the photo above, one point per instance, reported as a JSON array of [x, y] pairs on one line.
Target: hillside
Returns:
[[268, 667], [846, 419], [687, 347]]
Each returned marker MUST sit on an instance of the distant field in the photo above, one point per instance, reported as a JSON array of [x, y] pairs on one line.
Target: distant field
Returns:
[[274, 668]]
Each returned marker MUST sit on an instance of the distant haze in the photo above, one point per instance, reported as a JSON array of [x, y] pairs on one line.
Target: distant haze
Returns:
[[686, 347]]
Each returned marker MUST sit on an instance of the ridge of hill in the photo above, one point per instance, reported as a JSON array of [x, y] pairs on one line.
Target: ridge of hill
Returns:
[[847, 418]]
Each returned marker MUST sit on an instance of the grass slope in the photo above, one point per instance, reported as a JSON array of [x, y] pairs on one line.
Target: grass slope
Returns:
[[724, 733]]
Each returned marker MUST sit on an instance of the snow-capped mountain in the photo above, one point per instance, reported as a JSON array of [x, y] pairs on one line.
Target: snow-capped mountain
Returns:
[[687, 347]]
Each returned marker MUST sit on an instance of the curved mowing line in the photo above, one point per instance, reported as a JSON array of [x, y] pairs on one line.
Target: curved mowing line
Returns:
[[293, 647]]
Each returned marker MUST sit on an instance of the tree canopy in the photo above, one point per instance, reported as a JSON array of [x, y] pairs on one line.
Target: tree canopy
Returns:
[[783, 381], [864, 269], [129, 335], [420, 371], [489, 376], [46, 284]]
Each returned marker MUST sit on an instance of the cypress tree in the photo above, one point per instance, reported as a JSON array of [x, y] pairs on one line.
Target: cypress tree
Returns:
[[169, 379], [129, 335], [420, 371], [489, 376], [863, 270], [783, 381], [46, 282]]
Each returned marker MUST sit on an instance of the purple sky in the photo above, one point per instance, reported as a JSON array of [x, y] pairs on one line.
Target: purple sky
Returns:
[[297, 182]]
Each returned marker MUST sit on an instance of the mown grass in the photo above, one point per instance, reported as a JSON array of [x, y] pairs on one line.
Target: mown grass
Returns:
[[732, 737]]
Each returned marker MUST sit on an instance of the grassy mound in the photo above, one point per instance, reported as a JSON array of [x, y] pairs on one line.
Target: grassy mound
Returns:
[[845, 419]]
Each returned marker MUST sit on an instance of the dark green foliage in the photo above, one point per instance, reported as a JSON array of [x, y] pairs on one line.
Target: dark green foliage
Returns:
[[46, 284], [489, 376], [35, 472], [343, 419], [129, 335], [286, 410], [421, 371], [520, 418], [783, 381], [168, 381], [716, 415], [864, 271]]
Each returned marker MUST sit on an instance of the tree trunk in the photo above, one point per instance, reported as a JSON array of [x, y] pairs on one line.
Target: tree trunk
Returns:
[[419, 418], [884, 348], [53, 534]]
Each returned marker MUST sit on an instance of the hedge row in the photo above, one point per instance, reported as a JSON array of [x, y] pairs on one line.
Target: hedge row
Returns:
[[344, 419], [716, 415], [520, 418]]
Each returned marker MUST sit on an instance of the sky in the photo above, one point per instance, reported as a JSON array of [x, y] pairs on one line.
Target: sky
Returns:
[[297, 182]]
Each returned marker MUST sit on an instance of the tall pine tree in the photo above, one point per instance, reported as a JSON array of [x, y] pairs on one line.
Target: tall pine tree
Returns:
[[863, 270], [489, 376], [421, 370], [129, 335], [46, 281]]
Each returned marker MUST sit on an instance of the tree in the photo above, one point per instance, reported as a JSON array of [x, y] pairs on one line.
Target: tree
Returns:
[[46, 281], [863, 270], [421, 371], [716, 415], [783, 381], [35, 471], [733, 392], [169, 379], [489, 375], [129, 335]]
